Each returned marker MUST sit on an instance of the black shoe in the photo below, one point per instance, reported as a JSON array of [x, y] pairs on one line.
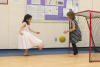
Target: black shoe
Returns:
[[75, 53]]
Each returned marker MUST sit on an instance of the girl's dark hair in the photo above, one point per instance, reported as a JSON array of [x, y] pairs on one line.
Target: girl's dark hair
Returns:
[[71, 15], [26, 17]]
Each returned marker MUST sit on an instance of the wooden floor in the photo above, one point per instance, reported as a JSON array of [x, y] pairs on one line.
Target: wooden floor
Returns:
[[61, 60], [95, 56]]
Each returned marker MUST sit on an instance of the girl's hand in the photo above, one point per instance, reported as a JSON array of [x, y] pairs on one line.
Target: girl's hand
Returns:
[[21, 33], [66, 31], [37, 32]]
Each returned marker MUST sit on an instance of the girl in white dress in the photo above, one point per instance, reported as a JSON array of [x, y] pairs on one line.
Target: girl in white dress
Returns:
[[26, 39]]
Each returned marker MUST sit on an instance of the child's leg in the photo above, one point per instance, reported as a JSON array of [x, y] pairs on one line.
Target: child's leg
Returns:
[[75, 49], [40, 47], [26, 52]]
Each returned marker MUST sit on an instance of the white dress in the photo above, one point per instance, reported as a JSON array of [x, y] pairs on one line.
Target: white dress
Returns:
[[28, 40]]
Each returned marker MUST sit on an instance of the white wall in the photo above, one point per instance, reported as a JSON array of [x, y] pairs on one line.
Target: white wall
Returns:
[[85, 5], [12, 14], [96, 5], [4, 18]]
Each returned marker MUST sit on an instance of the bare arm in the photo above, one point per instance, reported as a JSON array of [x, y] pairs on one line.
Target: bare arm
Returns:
[[72, 29], [21, 28], [33, 30]]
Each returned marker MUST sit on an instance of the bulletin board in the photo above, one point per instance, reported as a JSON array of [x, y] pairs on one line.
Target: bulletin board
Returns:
[[3, 2], [50, 9]]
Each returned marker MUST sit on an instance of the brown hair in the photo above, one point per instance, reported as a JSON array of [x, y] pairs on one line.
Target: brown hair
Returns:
[[71, 15], [27, 16]]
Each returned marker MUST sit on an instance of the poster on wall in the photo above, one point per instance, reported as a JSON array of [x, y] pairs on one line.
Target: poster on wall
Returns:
[[51, 9], [3, 1]]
